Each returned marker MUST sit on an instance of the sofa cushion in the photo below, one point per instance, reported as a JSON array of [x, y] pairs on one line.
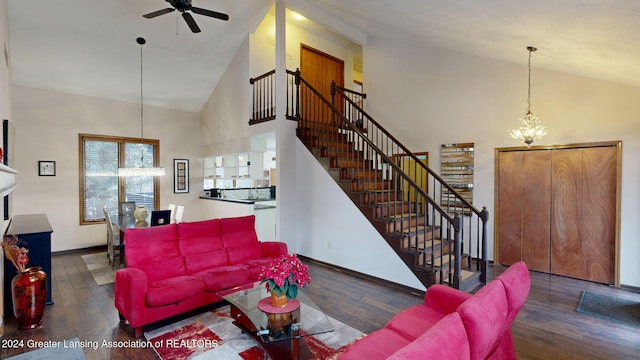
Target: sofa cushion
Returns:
[[206, 260], [163, 269], [377, 345], [238, 230], [254, 266], [224, 277], [484, 316], [173, 290], [444, 299], [199, 236], [517, 282], [414, 321], [446, 340], [239, 254], [151, 244]]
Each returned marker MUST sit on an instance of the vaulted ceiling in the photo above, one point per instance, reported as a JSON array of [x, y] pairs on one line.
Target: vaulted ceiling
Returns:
[[88, 47]]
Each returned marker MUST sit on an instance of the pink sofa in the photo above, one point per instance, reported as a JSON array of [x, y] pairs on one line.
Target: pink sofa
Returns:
[[179, 267], [452, 324]]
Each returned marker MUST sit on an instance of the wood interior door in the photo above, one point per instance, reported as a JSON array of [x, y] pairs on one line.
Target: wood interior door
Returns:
[[523, 208], [536, 210], [319, 69], [566, 216], [599, 214], [583, 234], [509, 203], [556, 209]]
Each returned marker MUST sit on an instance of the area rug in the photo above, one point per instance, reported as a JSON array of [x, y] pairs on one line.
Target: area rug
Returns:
[[213, 336], [610, 308], [64, 350], [99, 267]]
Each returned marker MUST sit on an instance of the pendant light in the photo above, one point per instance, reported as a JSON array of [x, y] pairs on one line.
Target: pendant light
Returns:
[[141, 170], [530, 128]]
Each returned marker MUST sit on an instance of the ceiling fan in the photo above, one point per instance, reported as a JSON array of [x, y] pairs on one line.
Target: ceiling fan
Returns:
[[183, 6]]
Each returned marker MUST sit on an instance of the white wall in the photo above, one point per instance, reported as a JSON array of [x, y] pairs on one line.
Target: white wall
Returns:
[[224, 119], [427, 97], [5, 93], [47, 124], [332, 229], [5, 113]]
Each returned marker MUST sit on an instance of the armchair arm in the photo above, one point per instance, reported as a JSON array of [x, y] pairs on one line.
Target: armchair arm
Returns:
[[130, 295], [444, 299], [274, 248]]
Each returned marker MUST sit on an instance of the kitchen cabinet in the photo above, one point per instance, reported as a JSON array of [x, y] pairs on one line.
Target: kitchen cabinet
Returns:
[[233, 170], [556, 209]]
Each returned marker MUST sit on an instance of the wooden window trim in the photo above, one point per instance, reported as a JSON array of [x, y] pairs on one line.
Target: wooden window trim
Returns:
[[121, 190]]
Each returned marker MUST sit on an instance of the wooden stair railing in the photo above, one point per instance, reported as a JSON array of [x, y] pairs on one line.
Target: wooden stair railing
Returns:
[[362, 157], [264, 100]]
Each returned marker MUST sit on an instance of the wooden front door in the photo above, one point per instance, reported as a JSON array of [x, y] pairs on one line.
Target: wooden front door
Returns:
[[319, 69]]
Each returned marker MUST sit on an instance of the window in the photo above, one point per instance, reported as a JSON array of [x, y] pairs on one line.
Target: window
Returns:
[[100, 186]]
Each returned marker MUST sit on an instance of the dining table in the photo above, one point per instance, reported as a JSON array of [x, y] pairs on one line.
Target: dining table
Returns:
[[125, 222]]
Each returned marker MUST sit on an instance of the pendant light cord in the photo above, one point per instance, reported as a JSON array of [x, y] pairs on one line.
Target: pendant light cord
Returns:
[[531, 49], [141, 41], [141, 97]]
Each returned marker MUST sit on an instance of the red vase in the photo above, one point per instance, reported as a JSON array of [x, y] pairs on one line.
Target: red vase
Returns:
[[29, 291]]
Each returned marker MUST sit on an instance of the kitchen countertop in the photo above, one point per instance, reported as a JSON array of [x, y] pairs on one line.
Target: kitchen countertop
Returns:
[[242, 201]]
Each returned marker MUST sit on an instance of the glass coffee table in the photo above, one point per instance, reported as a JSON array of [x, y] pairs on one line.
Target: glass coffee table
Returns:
[[278, 331]]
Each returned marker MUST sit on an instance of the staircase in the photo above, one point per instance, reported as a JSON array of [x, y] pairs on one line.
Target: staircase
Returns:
[[440, 242]]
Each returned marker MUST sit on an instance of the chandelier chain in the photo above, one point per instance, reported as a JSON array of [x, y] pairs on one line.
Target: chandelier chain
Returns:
[[529, 90]]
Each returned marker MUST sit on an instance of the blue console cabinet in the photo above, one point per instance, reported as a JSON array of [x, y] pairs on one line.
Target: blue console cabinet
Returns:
[[34, 232]]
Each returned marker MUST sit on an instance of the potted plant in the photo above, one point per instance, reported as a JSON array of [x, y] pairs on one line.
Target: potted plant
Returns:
[[283, 276], [28, 287]]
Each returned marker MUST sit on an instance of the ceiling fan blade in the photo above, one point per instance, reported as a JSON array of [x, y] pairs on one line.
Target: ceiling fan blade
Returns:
[[210, 13], [158, 13], [192, 23]]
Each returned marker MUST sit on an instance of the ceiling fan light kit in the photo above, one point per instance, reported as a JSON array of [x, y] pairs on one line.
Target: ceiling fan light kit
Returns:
[[185, 7]]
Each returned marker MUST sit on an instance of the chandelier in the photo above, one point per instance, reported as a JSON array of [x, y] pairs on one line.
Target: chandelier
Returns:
[[530, 128], [141, 170]]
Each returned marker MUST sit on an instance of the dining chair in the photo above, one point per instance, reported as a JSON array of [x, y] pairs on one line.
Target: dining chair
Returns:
[[172, 208], [160, 217], [126, 208], [114, 245], [179, 211]]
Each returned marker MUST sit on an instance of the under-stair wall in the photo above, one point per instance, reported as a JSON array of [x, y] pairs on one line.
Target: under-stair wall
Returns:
[[332, 229]]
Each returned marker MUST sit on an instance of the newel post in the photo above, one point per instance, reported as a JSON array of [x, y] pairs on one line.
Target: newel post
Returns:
[[297, 82], [457, 271], [484, 263]]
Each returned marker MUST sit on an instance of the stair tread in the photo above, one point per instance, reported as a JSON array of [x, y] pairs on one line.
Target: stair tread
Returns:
[[423, 245], [414, 229], [402, 216], [464, 274], [442, 260]]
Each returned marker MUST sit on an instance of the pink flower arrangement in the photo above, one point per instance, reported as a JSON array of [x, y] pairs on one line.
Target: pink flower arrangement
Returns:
[[16, 254], [284, 275]]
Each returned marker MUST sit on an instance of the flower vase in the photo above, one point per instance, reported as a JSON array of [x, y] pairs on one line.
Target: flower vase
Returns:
[[29, 291], [278, 300], [141, 213]]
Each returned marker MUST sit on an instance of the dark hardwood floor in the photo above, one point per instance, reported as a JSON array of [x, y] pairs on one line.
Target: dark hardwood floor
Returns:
[[547, 328]]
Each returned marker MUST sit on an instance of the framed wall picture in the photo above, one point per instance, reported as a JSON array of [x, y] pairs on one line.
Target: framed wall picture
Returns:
[[180, 176], [47, 168]]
